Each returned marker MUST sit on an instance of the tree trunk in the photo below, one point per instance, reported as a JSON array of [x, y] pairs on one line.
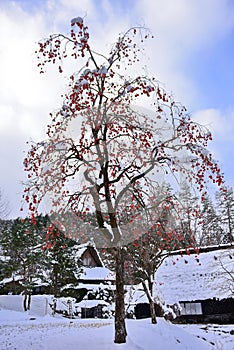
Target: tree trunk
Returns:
[[152, 312], [25, 300], [29, 300], [54, 306], [120, 328], [149, 294], [55, 282], [229, 225]]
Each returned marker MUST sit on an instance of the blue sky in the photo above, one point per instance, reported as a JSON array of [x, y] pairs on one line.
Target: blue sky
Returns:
[[211, 70], [192, 54]]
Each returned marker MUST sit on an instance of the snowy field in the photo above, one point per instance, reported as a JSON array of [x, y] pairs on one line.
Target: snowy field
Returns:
[[21, 331]]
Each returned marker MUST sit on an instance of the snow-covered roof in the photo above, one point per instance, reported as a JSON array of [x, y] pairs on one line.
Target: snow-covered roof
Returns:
[[5, 258], [80, 250], [196, 276], [97, 273], [37, 281], [91, 303], [11, 279], [93, 286]]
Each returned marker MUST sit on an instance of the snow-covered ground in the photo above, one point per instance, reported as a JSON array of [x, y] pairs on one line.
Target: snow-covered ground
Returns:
[[21, 331], [220, 336]]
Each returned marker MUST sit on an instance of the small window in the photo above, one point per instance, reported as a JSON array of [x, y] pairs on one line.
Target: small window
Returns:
[[87, 261], [191, 309]]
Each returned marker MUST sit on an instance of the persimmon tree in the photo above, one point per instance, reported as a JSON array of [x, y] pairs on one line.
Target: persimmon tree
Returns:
[[164, 218], [146, 253], [102, 150]]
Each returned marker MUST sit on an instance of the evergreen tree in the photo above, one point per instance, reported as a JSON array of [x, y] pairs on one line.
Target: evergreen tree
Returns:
[[211, 232], [225, 208], [37, 250], [22, 243], [61, 262], [5, 268], [188, 213]]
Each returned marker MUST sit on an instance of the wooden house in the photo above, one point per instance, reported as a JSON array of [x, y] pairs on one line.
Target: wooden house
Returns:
[[94, 271], [89, 256]]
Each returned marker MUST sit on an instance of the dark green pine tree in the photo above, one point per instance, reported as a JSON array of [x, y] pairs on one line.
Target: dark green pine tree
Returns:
[[211, 232], [62, 266], [6, 269], [22, 243], [188, 210], [225, 208]]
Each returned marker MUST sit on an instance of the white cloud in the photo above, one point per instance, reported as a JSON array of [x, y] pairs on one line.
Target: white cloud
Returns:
[[191, 24], [221, 126], [63, 11], [6, 118], [23, 90], [219, 123], [181, 27]]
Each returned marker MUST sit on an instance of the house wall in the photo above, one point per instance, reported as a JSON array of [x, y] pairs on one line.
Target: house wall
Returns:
[[88, 259], [13, 287], [142, 310], [93, 312], [207, 311]]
